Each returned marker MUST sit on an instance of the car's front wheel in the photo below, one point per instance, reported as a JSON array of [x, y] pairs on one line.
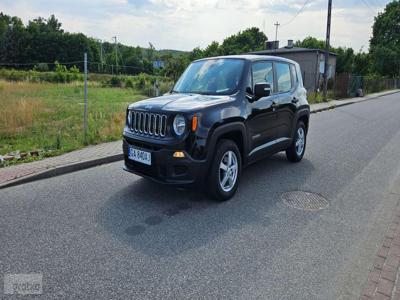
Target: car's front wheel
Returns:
[[225, 170], [296, 151]]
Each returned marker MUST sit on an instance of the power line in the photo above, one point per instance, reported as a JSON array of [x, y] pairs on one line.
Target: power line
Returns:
[[367, 4], [298, 13], [124, 66]]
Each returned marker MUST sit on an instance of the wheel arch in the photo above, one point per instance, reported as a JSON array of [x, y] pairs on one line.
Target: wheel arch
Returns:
[[235, 131], [304, 116]]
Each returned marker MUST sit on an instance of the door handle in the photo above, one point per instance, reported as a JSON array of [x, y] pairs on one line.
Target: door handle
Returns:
[[295, 100]]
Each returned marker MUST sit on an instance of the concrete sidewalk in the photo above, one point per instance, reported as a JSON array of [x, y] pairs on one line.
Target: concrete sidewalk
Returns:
[[109, 152], [69, 162]]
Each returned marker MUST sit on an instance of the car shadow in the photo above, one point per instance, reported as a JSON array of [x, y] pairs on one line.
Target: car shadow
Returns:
[[160, 221]]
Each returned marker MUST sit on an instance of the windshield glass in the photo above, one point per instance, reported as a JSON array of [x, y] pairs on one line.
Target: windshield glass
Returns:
[[211, 77]]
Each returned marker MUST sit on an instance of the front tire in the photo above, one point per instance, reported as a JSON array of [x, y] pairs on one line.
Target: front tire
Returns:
[[225, 171], [296, 151]]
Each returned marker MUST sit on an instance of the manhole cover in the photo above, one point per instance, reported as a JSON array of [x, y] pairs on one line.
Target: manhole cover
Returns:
[[304, 200]]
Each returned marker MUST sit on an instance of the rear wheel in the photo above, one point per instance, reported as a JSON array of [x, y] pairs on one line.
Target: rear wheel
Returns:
[[296, 151], [225, 170]]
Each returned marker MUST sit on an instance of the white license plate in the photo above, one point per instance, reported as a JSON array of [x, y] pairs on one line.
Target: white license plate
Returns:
[[141, 156]]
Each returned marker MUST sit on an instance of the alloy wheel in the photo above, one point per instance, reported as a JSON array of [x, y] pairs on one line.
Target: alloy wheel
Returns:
[[300, 141], [228, 171]]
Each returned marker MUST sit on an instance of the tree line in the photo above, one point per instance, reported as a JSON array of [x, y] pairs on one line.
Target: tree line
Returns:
[[43, 43], [43, 40]]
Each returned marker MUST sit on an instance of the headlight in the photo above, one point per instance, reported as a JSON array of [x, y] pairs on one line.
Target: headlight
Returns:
[[128, 118], [179, 124]]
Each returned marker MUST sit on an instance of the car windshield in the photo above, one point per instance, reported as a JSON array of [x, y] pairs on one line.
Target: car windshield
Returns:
[[211, 77]]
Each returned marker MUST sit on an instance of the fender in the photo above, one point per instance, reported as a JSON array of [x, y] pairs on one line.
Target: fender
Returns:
[[300, 113], [219, 131]]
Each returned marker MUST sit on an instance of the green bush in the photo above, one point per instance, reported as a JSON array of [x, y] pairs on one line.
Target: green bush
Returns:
[[129, 83], [41, 67], [142, 82], [115, 81]]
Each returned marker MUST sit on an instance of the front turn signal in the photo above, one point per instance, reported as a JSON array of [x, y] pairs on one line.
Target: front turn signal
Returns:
[[179, 154], [194, 123]]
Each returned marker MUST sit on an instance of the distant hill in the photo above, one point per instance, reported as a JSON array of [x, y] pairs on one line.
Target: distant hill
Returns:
[[162, 52], [174, 53]]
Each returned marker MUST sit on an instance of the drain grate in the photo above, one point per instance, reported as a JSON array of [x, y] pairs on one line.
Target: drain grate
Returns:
[[305, 200]]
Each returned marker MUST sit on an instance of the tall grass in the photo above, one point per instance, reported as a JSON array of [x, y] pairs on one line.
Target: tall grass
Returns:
[[49, 116], [143, 82]]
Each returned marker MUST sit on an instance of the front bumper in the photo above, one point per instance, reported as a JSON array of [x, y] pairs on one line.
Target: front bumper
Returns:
[[164, 167]]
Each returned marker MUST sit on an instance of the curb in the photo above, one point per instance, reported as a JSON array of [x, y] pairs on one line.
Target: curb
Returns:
[[60, 170], [353, 102]]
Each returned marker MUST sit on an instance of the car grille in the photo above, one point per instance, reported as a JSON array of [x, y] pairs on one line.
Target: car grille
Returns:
[[148, 123]]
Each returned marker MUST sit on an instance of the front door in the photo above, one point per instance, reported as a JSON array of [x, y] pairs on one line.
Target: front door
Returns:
[[262, 119]]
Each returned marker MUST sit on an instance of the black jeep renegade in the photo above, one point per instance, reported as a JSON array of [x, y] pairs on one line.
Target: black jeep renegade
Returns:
[[222, 114]]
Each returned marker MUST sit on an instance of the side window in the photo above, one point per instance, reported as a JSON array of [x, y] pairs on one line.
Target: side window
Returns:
[[283, 77], [294, 75], [263, 72]]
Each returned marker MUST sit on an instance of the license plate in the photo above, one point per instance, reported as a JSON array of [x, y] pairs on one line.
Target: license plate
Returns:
[[141, 156]]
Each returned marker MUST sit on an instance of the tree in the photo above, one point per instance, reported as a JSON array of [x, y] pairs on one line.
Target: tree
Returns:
[[311, 43], [175, 66], [196, 53], [251, 39], [212, 50], [150, 52], [362, 63], [385, 41], [344, 60], [13, 40]]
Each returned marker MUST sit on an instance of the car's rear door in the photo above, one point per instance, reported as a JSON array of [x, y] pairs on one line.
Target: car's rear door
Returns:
[[285, 97]]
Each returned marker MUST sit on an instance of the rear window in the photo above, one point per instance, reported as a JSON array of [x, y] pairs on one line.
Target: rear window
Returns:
[[283, 77]]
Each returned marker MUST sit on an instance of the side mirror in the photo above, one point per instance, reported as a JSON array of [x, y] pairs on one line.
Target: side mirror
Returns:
[[262, 89]]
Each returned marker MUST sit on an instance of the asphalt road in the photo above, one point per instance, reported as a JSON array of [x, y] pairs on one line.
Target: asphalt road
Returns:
[[105, 233]]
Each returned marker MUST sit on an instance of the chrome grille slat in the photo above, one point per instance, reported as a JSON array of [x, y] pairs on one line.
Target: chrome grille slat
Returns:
[[151, 124], [151, 128], [145, 119], [140, 122], [163, 125]]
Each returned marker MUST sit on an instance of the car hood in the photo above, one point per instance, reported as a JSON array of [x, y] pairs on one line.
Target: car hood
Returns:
[[179, 102]]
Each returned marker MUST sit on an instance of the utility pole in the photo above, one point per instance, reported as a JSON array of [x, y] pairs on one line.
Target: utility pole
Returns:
[[276, 34], [85, 126], [276, 30], [101, 54], [116, 54], [327, 43]]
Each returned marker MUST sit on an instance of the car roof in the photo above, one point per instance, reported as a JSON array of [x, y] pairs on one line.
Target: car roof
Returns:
[[251, 57]]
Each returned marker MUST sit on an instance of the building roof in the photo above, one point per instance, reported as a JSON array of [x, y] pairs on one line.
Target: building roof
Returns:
[[289, 50]]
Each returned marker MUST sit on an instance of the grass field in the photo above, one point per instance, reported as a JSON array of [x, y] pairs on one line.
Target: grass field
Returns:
[[49, 116]]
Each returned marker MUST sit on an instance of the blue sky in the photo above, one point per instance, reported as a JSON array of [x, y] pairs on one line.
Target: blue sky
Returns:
[[185, 24]]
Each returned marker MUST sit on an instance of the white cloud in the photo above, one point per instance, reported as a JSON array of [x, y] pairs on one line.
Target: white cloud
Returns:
[[185, 24]]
